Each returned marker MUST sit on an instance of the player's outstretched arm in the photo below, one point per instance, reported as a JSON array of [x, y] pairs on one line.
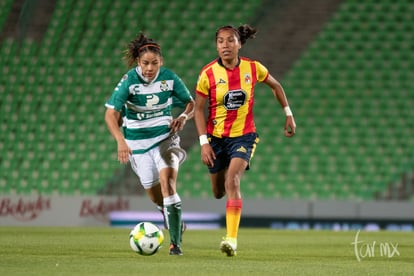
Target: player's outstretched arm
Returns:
[[279, 93], [178, 123], [112, 119]]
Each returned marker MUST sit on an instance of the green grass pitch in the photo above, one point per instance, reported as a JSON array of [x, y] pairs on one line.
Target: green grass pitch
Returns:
[[106, 251]]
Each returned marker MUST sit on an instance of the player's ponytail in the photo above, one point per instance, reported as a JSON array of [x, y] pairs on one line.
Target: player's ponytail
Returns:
[[246, 32], [138, 46], [243, 32]]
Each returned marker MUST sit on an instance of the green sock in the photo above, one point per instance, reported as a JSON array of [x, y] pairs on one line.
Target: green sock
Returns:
[[174, 221]]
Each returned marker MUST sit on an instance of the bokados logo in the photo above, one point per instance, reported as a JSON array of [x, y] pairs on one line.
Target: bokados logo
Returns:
[[24, 209], [101, 208]]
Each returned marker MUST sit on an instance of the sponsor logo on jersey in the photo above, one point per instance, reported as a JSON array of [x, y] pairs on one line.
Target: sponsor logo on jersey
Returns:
[[134, 89], [234, 99], [152, 100]]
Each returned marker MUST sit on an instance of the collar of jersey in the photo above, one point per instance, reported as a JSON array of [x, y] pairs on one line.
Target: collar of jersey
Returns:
[[144, 79], [220, 62]]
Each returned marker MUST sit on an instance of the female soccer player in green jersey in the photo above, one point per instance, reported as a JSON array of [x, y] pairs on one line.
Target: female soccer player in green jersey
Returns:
[[149, 139], [228, 137]]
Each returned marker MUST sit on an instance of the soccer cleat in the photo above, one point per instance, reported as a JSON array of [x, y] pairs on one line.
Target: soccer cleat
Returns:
[[229, 246], [175, 250]]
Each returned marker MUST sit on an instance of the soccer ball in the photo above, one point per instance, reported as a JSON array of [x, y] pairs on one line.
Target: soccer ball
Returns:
[[146, 238]]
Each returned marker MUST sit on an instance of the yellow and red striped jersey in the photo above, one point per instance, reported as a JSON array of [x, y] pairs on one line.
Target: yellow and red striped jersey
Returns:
[[231, 96]]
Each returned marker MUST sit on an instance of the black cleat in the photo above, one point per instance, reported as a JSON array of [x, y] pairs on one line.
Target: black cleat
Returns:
[[175, 250]]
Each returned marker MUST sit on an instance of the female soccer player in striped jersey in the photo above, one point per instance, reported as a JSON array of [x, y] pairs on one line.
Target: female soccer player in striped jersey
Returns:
[[151, 143], [228, 137]]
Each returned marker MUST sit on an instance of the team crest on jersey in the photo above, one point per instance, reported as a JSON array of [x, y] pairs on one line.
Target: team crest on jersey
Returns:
[[164, 85], [247, 78]]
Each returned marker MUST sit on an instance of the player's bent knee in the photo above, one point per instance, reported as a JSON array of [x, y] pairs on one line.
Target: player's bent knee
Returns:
[[219, 194], [173, 161]]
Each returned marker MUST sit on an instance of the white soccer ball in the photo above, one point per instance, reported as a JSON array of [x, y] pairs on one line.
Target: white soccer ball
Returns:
[[146, 238]]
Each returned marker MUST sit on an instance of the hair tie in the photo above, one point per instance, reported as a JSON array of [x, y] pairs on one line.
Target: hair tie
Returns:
[[148, 45]]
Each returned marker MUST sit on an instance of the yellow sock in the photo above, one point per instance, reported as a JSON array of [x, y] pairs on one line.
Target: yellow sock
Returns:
[[233, 214]]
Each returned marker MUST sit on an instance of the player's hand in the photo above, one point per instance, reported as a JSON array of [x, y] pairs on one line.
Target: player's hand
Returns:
[[290, 126], [177, 124], [123, 152], [207, 155]]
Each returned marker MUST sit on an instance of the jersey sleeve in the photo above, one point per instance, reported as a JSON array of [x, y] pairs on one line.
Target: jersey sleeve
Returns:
[[203, 87], [181, 95], [119, 95], [262, 72]]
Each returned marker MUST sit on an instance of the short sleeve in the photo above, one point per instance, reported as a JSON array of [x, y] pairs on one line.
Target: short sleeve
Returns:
[[181, 93], [262, 72], [119, 95], [203, 86]]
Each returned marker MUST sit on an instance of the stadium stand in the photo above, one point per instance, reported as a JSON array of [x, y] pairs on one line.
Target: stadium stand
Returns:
[[351, 93]]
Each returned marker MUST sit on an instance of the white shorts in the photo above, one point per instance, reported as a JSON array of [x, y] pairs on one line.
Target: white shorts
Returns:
[[168, 154]]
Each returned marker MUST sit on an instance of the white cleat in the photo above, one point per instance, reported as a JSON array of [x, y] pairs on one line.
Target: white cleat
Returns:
[[229, 246]]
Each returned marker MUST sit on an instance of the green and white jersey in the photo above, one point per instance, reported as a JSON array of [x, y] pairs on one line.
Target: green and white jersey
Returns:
[[147, 106]]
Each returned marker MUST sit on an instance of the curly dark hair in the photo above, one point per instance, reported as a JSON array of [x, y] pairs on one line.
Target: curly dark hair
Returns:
[[138, 46], [243, 32]]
